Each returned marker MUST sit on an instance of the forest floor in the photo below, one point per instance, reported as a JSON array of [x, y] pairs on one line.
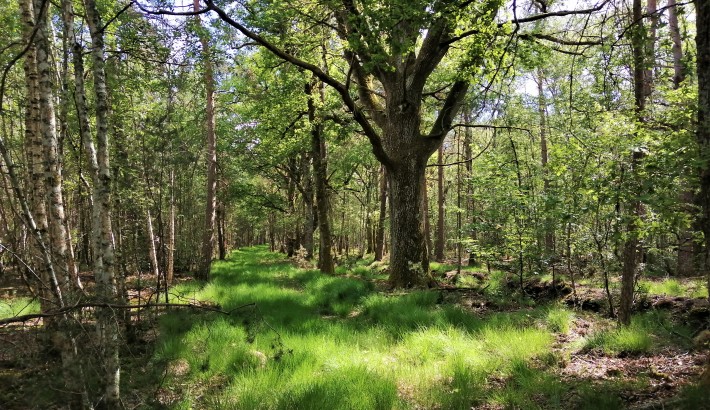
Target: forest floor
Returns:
[[298, 339]]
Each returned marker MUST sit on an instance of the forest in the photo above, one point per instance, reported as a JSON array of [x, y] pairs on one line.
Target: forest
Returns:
[[354, 204]]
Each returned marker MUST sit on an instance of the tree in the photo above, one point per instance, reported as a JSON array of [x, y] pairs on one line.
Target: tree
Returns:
[[392, 53], [208, 238]]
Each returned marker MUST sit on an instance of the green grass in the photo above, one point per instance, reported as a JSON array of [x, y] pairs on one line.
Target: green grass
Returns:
[[675, 287], [559, 320], [332, 342], [651, 330], [18, 306]]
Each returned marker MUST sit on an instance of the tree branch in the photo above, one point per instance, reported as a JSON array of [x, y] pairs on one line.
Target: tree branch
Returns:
[[79, 306]]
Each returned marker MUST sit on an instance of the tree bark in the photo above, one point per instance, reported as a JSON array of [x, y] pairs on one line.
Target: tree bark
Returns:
[[409, 257]]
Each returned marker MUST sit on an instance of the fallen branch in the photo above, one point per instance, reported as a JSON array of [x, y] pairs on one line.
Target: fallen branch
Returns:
[[78, 306]]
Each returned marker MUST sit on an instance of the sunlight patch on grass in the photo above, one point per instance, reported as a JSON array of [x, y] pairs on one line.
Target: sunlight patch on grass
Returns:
[[18, 306], [322, 342], [675, 287]]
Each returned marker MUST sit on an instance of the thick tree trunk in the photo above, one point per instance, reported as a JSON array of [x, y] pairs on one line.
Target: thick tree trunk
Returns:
[[440, 199], [409, 259], [380, 235], [211, 157]]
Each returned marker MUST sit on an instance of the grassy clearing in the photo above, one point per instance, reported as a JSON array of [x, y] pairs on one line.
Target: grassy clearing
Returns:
[[322, 342], [18, 306]]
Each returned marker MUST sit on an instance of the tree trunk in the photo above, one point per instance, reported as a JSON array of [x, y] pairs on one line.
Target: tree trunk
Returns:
[[470, 204], [650, 52], [309, 223], [318, 147], [169, 271], [380, 235], [221, 245], [677, 47], [52, 164], [687, 248], [108, 329], [152, 254], [409, 259], [440, 235], [211, 157], [549, 231], [630, 249], [702, 41]]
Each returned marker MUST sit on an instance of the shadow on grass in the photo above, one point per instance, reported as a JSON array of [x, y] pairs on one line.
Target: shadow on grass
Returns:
[[316, 341]]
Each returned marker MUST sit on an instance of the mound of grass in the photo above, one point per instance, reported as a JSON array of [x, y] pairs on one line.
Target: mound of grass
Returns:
[[558, 320], [332, 295], [648, 331]]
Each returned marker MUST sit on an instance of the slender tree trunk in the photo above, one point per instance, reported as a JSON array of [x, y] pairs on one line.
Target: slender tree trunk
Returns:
[[318, 147], [470, 204], [169, 271], [52, 164], [687, 248], [549, 231], [677, 47], [211, 150], [426, 224], [309, 224], [220, 232], [380, 235], [631, 246], [440, 234], [108, 329], [152, 253], [650, 52]]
